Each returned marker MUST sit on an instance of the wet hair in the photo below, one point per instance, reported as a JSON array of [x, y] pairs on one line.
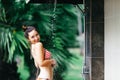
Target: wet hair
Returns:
[[27, 29]]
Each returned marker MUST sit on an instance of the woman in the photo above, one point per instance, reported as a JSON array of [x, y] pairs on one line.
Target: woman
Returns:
[[42, 57]]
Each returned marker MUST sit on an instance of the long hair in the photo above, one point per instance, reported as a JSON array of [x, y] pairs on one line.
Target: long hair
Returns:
[[37, 72]]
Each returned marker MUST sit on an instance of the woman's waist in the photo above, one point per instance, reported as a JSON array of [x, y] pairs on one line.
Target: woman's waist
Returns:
[[48, 68]]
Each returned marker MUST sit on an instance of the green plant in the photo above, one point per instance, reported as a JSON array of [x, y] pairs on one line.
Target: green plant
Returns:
[[55, 28]]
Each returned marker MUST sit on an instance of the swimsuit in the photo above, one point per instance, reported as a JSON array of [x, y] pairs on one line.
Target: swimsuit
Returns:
[[47, 54]]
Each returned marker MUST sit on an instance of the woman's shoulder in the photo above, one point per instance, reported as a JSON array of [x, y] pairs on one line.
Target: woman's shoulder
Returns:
[[38, 44]]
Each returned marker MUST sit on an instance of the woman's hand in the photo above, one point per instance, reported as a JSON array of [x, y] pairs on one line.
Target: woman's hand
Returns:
[[53, 62]]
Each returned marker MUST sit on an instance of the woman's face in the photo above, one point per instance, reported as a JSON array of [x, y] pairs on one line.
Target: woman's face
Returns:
[[33, 37]]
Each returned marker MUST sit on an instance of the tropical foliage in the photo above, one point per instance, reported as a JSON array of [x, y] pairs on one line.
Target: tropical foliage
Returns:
[[56, 23]]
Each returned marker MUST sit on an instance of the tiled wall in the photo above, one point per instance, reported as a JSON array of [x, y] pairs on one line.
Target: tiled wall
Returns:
[[95, 38]]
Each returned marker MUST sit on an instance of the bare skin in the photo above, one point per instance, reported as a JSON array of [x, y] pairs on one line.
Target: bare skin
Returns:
[[37, 52]]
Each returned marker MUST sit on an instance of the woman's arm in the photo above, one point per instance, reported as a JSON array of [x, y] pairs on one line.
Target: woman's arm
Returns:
[[39, 58]]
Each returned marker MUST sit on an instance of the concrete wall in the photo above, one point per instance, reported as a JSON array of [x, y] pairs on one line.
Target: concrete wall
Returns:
[[112, 39]]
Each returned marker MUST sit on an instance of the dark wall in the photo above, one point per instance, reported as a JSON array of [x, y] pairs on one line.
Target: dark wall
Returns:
[[95, 38]]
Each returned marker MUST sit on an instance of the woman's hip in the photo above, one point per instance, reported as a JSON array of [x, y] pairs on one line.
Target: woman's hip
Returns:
[[42, 79]]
